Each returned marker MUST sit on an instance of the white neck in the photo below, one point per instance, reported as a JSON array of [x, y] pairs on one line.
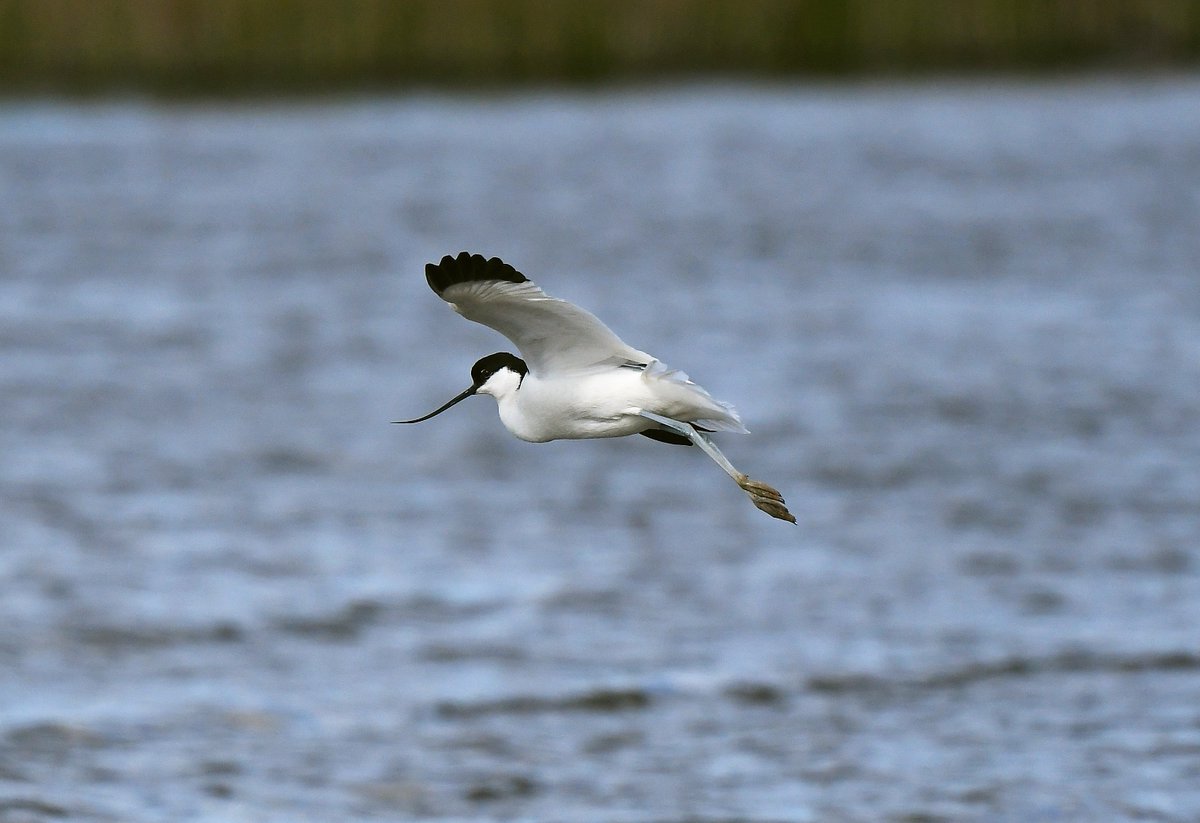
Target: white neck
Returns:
[[501, 385]]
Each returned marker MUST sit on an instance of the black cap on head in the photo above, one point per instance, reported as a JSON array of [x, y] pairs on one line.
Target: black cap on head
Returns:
[[485, 367]]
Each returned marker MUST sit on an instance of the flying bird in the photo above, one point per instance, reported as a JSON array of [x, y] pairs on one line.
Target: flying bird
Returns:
[[575, 378]]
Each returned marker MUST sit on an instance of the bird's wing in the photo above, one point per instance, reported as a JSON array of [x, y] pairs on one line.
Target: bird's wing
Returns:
[[554, 336]]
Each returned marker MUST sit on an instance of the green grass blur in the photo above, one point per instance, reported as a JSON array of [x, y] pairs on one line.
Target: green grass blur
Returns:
[[254, 46]]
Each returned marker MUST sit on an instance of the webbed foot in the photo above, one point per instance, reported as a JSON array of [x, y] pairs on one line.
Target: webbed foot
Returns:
[[766, 498]]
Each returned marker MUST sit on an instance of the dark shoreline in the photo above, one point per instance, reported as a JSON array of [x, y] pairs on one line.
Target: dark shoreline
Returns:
[[191, 47]]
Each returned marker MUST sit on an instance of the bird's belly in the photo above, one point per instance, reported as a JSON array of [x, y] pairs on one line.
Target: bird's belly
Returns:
[[588, 409]]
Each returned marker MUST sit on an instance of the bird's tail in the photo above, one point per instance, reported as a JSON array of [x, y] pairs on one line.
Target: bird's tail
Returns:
[[718, 415]]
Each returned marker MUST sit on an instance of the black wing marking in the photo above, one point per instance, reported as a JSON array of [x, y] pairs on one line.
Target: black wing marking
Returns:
[[469, 268], [664, 436]]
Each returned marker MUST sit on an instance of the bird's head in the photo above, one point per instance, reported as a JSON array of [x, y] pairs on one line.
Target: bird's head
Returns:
[[498, 374]]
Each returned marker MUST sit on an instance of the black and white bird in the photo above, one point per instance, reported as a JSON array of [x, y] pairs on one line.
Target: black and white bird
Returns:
[[575, 378]]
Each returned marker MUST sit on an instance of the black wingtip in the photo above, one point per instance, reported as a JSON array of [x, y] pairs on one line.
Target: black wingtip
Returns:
[[469, 268]]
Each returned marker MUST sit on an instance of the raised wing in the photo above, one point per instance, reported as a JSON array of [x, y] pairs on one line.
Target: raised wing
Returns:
[[554, 336]]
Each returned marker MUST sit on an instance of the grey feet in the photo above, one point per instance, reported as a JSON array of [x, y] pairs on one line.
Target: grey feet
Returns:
[[766, 498]]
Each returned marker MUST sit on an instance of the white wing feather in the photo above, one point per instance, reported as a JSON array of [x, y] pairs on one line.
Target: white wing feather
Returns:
[[554, 336]]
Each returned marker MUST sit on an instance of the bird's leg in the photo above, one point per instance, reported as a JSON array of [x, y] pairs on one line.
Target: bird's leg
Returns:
[[765, 497]]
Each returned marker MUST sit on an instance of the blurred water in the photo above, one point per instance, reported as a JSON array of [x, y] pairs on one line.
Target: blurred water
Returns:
[[963, 322]]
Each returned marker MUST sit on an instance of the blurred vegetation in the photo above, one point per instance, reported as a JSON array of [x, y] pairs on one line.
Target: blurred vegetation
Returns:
[[216, 46]]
